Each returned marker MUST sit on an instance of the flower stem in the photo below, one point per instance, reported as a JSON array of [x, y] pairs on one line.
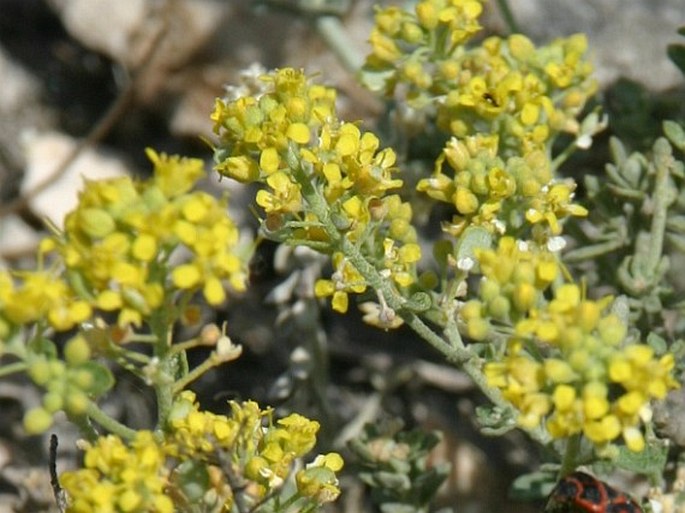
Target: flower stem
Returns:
[[562, 157], [214, 360], [113, 426], [161, 327], [508, 16], [331, 30], [12, 368], [568, 464], [373, 278]]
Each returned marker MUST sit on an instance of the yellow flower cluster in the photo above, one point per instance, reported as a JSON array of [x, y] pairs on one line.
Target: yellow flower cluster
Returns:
[[503, 102], [344, 280], [418, 48], [504, 87], [265, 450], [569, 368], [117, 243], [318, 480], [496, 194], [507, 87], [199, 446], [515, 275], [30, 296], [396, 261], [489, 192], [258, 136], [349, 160], [120, 478], [256, 131], [289, 139]]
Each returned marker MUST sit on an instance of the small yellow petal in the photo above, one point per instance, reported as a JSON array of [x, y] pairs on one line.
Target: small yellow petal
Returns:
[[340, 301], [186, 276], [324, 288], [634, 439], [563, 397], [214, 292], [144, 247], [298, 132], [269, 160]]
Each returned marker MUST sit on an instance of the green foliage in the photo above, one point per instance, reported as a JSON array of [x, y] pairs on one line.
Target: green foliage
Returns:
[[635, 221], [394, 464], [651, 461]]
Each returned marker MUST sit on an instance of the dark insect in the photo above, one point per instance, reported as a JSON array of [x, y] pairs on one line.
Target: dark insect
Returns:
[[582, 493], [490, 99]]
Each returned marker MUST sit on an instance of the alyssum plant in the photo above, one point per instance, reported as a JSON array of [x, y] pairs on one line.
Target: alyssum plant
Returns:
[[494, 294], [138, 253]]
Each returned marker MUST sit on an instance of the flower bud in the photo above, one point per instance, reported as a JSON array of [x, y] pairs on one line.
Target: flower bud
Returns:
[[499, 307], [76, 402], [39, 371], [53, 402], [37, 421], [96, 222], [478, 329], [77, 351], [411, 33]]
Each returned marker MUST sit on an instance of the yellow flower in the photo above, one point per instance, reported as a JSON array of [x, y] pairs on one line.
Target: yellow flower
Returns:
[[318, 479], [124, 268], [554, 205], [634, 439], [120, 477], [285, 197], [565, 357], [175, 175], [41, 295], [241, 168], [269, 160], [344, 280]]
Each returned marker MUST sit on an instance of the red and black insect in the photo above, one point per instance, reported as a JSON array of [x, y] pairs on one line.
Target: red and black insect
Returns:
[[582, 493]]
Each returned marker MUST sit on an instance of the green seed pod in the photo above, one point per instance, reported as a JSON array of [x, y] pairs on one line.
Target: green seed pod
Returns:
[[428, 280], [57, 369], [611, 330], [489, 290], [399, 229], [254, 466], [411, 33], [524, 297]]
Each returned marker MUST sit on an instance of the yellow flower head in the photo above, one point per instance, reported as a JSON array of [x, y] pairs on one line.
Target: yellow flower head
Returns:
[[120, 477]]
